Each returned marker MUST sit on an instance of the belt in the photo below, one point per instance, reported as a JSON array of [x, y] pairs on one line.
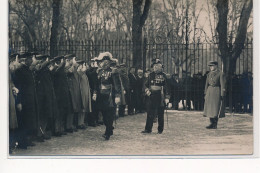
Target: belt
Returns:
[[214, 85], [105, 87], [156, 88]]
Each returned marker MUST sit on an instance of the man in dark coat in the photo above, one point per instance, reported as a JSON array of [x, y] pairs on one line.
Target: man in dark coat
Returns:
[[214, 95], [47, 103], [139, 91], [93, 83], [110, 91], [125, 88], [132, 91], [157, 89], [28, 118], [74, 87], [61, 88], [175, 91]]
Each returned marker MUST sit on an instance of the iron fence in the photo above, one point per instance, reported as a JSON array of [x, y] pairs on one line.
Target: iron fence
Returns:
[[188, 61]]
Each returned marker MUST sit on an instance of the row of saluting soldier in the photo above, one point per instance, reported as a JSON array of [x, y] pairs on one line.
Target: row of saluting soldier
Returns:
[[56, 96]]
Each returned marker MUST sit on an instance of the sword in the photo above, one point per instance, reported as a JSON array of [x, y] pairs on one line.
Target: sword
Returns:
[[167, 116], [220, 108]]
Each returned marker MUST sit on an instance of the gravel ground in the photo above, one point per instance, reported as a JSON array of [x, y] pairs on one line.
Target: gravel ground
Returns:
[[185, 135]]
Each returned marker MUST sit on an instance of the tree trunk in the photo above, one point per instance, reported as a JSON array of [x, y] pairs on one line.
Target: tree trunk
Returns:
[[138, 21], [56, 5]]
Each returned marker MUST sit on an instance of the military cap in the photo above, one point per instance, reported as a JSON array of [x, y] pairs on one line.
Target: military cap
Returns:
[[122, 65], [69, 56], [27, 54], [41, 57], [57, 58], [213, 63], [80, 62]]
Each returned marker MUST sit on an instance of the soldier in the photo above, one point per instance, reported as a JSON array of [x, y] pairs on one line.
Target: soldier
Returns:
[[46, 96], [93, 83], [61, 88], [13, 102], [132, 91], [125, 87], [110, 91], [73, 81], [139, 91], [28, 119], [85, 94], [214, 94], [175, 91], [157, 90]]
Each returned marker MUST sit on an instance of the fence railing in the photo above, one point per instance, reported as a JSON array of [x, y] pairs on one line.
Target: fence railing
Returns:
[[192, 58]]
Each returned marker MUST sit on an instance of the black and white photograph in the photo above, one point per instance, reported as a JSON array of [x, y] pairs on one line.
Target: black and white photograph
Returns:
[[140, 78]]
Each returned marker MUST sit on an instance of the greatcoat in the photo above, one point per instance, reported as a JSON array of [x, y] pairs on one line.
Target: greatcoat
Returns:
[[214, 90]]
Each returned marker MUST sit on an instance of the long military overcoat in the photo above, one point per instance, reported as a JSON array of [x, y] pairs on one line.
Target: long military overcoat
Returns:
[[85, 92], [214, 90]]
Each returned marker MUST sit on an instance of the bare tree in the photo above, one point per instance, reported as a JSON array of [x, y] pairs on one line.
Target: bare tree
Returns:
[[138, 21], [230, 52]]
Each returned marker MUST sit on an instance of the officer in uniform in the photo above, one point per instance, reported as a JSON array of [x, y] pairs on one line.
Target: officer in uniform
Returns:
[[157, 89], [214, 91], [93, 83], [110, 91]]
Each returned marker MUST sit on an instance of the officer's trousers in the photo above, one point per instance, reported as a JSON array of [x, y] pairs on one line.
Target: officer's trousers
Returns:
[[108, 113], [154, 106]]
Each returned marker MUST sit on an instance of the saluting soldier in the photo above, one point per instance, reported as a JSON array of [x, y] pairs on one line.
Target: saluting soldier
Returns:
[[158, 92], [110, 91], [28, 118], [85, 94], [214, 94], [61, 88], [73, 81]]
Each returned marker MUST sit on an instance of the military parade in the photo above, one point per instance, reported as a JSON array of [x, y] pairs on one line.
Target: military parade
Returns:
[[54, 96]]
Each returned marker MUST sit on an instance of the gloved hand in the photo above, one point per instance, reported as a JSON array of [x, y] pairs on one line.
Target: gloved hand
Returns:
[[166, 101], [94, 97], [117, 100], [147, 92], [170, 105], [19, 107]]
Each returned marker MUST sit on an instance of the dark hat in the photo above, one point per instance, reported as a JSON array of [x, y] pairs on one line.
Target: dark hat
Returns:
[[28, 54], [41, 57], [80, 62], [155, 61], [212, 63], [57, 58], [122, 65], [69, 56]]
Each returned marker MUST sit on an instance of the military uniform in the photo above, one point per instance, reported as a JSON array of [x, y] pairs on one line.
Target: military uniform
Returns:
[[109, 88], [157, 85], [214, 91]]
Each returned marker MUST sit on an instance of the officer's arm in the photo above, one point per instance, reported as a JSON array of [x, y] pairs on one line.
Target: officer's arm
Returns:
[[167, 87], [116, 82], [206, 84]]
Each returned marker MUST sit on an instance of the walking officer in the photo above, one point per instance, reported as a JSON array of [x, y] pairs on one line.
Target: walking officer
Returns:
[[158, 92], [110, 91], [215, 91]]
